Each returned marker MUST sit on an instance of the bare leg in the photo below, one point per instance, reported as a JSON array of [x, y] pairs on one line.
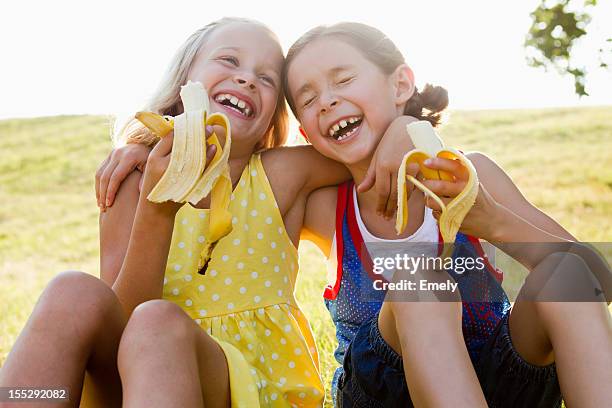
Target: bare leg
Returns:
[[429, 337], [166, 359], [75, 326], [577, 336]]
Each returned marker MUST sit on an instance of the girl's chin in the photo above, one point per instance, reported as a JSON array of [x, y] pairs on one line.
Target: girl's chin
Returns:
[[348, 157], [353, 151]]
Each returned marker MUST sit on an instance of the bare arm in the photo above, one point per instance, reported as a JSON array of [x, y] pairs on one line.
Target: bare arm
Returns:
[[505, 218], [116, 227], [520, 224], [320, 218], [141, 275], [290, 171], [516, 222], [120, 162], [506, 193], [300, 169]]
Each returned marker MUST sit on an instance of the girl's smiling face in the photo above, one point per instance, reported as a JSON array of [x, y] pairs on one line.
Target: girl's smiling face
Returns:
[[343, 101], [240, 67]]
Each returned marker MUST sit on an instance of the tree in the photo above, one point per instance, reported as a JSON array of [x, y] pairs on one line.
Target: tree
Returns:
[[553, 33]]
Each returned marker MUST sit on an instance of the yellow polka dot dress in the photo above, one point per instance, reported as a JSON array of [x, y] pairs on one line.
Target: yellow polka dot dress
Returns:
[[245, 300]]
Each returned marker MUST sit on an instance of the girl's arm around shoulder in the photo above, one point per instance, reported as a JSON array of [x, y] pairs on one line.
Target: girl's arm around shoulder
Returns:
[[295, 170], [505, 192], [320, 218]]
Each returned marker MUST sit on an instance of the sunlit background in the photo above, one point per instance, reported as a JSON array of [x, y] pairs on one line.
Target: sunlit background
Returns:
[[70, 57], [87, 57]]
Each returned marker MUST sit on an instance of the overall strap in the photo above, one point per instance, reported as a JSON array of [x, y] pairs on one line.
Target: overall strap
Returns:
[[344, 190], [357, 238], [495, 272]]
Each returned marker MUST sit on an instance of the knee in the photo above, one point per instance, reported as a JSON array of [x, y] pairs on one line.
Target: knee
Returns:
[[73, 295], [426, 317], [562, 277], [151, 324]]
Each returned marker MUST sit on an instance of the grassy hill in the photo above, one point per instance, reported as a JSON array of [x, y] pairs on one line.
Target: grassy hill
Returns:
[[561, 159]]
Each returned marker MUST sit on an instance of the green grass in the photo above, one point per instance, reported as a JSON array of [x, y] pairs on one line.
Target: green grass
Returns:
[[559, 158]]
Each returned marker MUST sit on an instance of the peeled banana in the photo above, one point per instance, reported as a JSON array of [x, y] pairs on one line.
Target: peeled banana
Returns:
[[428, 144], [187, 178]]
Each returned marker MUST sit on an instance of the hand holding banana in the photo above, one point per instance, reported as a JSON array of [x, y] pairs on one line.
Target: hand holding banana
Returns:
[[428, 146], [482, 219], [187, 177]]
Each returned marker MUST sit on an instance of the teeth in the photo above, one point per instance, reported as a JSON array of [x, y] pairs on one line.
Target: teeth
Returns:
[[239, 103], [341, 125]]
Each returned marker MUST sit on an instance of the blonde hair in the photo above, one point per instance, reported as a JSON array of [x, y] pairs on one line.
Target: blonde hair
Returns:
[[166, 99]]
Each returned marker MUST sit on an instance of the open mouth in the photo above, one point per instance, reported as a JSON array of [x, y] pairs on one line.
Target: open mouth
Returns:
[[344, 128], [233, 102]]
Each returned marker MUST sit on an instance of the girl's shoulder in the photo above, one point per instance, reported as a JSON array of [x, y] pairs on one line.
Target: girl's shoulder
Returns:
[[304, 166], [286, 173], [287, 161]]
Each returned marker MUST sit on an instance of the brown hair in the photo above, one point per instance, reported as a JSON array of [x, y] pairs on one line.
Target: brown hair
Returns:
[[382, 52], [166, 100]]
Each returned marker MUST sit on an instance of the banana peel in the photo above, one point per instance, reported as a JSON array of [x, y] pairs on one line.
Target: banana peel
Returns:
[[428, 144], [187, 178]]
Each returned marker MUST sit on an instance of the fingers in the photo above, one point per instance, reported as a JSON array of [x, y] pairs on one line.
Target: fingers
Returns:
[[392, 200], [217, 130], [115, 169], [211, 149], [164, 146], [390, 196], [433, 204], [210, 153], [412, 169], [122, 170], [453, 167], [368, 181], [445, 188], [436, 210], [105, 179], [99, 173], [383, 189], [220, 132]]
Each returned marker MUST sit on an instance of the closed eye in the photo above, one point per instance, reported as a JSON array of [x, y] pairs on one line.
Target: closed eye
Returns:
[[230, 59], [345, 80], [268, 80], [308, 102]]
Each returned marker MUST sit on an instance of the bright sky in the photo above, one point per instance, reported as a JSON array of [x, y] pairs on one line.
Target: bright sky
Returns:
[[65, 57]]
